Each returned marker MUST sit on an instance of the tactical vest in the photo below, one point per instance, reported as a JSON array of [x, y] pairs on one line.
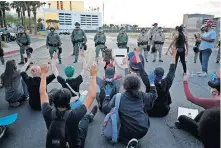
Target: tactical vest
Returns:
[[78, 34], [122, 38], [53, 39], [158, 37], [23, 38], [100, 38], [143, 37]]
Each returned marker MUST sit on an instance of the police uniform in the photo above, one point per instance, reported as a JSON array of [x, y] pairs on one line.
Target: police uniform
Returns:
[[158, 41], [53, 42], [143, 43], [99, 40], [151, 33], [23, 40], [79, 39], [122, 39]]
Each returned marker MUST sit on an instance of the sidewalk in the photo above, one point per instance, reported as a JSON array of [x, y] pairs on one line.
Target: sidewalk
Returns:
[[13, 48]]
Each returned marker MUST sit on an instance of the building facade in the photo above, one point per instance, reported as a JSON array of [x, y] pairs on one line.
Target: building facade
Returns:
[[195, 21], [67, 5], [65, 20]]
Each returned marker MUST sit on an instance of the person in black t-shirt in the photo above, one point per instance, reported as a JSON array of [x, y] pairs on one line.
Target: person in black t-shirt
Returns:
[[33, 84], [77, 121], [74, 83]]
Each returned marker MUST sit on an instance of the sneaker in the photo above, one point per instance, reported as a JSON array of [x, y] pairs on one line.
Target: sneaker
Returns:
[[203, 74], [160, 60], [15, 104], [133, 143], [93, 113], [21, 63], [199, 72], [2, 131], [154, 61]]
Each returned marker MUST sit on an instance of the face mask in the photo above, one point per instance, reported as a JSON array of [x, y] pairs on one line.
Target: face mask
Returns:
[[77, 27], [143, 32]]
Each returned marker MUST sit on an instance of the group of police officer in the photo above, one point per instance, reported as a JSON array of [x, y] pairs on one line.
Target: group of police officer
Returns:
[[152, 40]]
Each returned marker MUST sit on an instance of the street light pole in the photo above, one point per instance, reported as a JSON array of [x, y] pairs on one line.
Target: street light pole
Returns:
[[103, 13]]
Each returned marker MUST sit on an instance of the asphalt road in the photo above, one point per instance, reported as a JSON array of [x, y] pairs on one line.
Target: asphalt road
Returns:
[[30, 130]]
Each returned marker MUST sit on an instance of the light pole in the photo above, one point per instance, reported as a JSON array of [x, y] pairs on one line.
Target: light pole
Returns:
[[103, 13]]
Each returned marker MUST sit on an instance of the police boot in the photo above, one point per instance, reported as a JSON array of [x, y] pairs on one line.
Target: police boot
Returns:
[[26, 60], [73, 54], [59, 61], [21, 63]]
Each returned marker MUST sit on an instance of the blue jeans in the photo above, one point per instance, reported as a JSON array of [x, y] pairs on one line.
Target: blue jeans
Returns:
[[204, 58], [25, 88]]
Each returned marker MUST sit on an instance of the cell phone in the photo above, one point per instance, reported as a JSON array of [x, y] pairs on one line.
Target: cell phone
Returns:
[[120, 55]]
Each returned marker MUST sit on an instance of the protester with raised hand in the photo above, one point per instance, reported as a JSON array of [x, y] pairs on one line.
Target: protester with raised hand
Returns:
[[33, 83], [76, 121], [73, 84], [133, 103], [161, 106], [15, 87], [191, 125]]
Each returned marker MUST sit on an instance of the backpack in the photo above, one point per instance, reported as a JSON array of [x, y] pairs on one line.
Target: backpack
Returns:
[[111, 125], [107, 85], [57, 136]]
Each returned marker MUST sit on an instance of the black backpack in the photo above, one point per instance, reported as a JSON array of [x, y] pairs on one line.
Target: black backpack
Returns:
[[107, 85], [57, 132]]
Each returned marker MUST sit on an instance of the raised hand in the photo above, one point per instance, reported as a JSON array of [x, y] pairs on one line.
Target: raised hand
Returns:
[[44, 69], [151, 77], [93, 70]]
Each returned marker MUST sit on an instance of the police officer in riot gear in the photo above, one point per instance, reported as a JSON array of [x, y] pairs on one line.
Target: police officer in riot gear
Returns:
[[23, 40], [53, 42], [99, 40], [143, 43], [122, 39], [79, 40], [158, 41]]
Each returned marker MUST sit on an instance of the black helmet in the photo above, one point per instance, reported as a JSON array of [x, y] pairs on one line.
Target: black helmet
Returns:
[[77, 24]]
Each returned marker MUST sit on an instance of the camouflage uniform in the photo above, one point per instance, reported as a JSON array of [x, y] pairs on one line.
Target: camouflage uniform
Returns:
[[142, 43], [99, 40], [23, 40], [158, 41], [53, 42], [122, 40], [78, 38]]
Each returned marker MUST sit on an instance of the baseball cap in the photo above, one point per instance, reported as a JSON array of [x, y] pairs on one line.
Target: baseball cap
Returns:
[[215, 85], [159, 72], [109, 73], [209, 23], [69, 71]]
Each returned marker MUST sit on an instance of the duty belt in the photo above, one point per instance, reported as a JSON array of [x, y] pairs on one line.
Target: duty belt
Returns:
[[53, 45], [158, 42], [142, 43], [99, 43], [78, 41], [121, 44]]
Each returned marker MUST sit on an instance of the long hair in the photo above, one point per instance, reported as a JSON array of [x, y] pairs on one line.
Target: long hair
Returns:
[[10, 73], [132, 84], [181, 35]]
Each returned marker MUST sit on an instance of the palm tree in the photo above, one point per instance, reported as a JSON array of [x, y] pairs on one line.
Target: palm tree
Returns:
[[1, 19], [17, 6], [35, 5], [4, 6], [28, 8]]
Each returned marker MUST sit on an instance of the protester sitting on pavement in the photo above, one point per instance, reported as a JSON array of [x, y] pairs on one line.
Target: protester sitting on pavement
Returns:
[[191, 125], [133, 103], [161, 106], [207, 44], [209, 128], [76, 121], [15, 87], [180, 41], [33, 84], [73, 84]]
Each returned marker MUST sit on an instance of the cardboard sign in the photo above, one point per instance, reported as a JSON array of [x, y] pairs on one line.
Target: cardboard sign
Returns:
[[119, 55], [192, 113]]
